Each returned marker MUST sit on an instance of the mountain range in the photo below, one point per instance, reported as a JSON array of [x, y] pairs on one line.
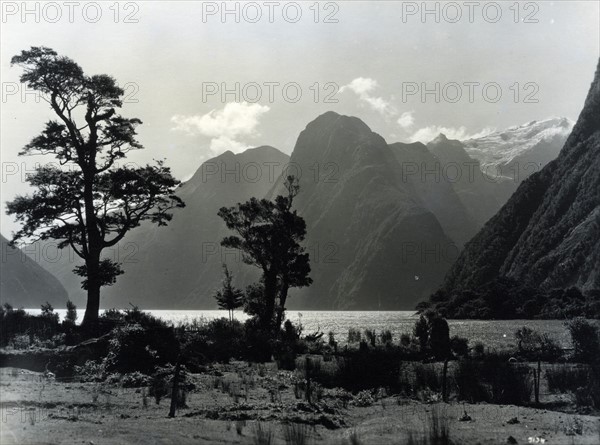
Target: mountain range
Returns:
[[384, 221]]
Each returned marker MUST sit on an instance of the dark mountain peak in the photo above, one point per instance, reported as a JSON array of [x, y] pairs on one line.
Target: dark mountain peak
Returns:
[[332, 121]]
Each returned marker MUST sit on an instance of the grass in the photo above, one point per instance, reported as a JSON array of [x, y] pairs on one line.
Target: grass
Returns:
[[437, 430], [566, 378], [262, 434], [296, 434]]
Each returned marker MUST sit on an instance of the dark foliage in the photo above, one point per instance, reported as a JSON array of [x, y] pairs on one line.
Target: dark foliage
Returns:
[[586, 340], [493, 380], [503, 298]]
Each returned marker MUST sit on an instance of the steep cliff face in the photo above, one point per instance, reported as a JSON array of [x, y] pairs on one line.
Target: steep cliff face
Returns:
[[373, 242], [24, 283], [548, 233]]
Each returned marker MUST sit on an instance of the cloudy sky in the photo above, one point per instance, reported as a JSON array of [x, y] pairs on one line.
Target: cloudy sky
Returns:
[[408, 73]]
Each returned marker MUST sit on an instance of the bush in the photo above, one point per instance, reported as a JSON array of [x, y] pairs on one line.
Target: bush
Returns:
[[567, 378], [354, 335], [91, 371], [386, 337], [585, 339], [16, 322], [288, 346], [218, 340], [459, 346], [535, 346], [493, 380], [141, 345], [364, 368]]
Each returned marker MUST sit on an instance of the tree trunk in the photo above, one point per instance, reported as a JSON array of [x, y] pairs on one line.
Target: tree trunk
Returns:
[[175, 389], [93, 305], [93, 292], [270, 293], [281, 308], [94, 247]]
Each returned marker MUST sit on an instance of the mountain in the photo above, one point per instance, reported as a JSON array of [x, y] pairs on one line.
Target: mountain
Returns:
[[519, 151], [373, 242], [480, 193], [179, 266], [548, 233], [425, 172], [24, 283]]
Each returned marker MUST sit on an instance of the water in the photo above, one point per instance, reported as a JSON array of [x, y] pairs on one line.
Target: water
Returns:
[[498, 334]]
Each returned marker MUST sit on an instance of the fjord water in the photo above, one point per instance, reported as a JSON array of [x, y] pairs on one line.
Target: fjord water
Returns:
[[495, 334]]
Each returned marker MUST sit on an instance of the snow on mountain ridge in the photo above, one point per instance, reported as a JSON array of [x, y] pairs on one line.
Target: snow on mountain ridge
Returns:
[[536, 141]]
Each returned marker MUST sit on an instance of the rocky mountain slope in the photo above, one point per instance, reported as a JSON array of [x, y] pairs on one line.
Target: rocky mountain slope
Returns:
[[374, 242], [548, 233]]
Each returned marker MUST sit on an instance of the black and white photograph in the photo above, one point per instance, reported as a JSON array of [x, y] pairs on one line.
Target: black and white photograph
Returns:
[[353, 222]]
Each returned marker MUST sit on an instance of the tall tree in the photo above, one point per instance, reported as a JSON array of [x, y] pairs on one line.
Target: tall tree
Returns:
[[229, 297], [89, 202], [269, 235]]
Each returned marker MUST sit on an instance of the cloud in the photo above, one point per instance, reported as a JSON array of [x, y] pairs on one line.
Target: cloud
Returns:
[[363, 87], [225, 127], [427, 134], [406, 120]]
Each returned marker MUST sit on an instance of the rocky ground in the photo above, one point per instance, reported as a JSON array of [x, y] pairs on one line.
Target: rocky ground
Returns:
[[242, 404]]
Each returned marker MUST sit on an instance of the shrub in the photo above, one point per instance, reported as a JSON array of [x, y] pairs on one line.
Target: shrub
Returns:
[[459, 346], [493, 380], [386, 337], [71, 316], [535, 346], [364, 368], [218, 340], [354, 335], [16, 322], [288, 346], [91, 371], [135, 380], [135, 347], [439, 337], [567, 378], [371, 337], [585, 339]]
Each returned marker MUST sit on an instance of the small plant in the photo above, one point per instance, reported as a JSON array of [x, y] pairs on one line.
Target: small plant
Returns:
[[263, 434], [386, 337], [354, 335], [371, 337], [364, 398]]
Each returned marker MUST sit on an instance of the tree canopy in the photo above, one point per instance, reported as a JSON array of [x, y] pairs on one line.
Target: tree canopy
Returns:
[[87, 201]]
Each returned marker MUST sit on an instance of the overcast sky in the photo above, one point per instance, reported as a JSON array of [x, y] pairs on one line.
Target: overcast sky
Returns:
[[373, 58]]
